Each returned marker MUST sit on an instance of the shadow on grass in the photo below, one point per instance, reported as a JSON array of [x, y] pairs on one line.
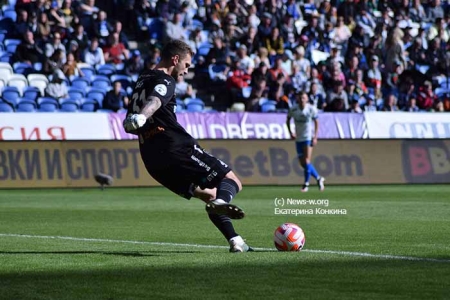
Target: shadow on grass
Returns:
[[118, 253], [212, 276]]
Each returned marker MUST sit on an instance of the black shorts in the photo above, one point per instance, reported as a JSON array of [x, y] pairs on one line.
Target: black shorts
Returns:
[[183, 170]]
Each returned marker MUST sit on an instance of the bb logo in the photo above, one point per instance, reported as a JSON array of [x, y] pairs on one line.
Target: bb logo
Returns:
[[426, 161]]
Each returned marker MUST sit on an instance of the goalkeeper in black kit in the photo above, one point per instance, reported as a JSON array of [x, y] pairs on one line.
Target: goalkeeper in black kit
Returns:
[[172, 156]]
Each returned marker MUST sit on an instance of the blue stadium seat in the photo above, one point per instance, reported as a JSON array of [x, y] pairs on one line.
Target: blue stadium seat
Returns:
[[97, 95], [246, 91], [76, 94], [44, 100], [204, 49], [69, 105], [88, 71], [48, 107], [214, 69], [5, 107], [11, 94], [125, 80], [11, 14], [31, 92], [101, 82], [156, 29], [104, 110], [6, 57], [197, 24], [3, 34], [106, 70], [194, 104], [269, 106], [11, 45], [22, 68], [25, 106], [89, 105], [80, 83]]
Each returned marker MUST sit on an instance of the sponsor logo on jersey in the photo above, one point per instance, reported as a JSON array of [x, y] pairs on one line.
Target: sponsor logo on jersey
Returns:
[[167, 81], [161, 89]]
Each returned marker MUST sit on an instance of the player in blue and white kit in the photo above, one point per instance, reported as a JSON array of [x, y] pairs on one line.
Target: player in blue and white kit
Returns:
[[304, 114]]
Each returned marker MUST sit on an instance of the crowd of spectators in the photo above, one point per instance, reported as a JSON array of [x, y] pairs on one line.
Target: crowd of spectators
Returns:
[[349, 55]]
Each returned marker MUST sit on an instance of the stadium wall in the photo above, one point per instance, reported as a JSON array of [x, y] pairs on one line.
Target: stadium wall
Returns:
[[252, 126], [39, 164]]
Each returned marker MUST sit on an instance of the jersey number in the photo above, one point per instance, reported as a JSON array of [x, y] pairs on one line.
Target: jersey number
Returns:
[[139, 101]]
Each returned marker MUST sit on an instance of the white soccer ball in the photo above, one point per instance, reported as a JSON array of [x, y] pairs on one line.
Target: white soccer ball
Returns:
[[289, 237]]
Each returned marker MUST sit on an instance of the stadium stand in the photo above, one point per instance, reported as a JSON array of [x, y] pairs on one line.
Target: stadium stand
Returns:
[[246, 52]]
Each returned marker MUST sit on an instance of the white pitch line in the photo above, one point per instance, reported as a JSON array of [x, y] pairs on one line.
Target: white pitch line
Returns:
[[347, 253]]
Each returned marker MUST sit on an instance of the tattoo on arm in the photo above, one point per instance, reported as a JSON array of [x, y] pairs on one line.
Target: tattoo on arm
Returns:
[[152, 105]]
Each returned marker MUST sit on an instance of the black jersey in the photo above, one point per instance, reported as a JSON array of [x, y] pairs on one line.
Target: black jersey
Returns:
[[161, 131]]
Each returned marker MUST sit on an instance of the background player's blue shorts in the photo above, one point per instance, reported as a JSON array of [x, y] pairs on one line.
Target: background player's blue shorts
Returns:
[[301, 145]]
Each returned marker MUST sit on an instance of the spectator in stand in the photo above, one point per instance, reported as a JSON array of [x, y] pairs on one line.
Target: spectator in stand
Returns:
[[411, 105], [94, 54], [183, 89], [392, 80], [67, 12], [416, 54], [123, 38], [426, 98], [370, 105], [57, 89], [338, 92], [300, 60], [116, 98], [55, 16], [28, 50], [174, 28], [135, 65], [266, 26], [21, 25], [44, 30], [115, 52], [102, 28], [88, 12], [80, 37], [394, 50], [54, 63], [55, 44], [143, 11], [274, 43], [287, 63], [219, 53], [360, 86], [354, 107], [374, 77], [390, 103], [70, 68], [245, 63], [341, 33], [262, 56], [417, 12], [250, 40], [435, 10], [315, 97], [237, 78], [351, 71]]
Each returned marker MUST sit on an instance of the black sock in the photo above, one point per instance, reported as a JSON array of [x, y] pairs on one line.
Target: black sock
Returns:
[[227, 189], [223, 223]]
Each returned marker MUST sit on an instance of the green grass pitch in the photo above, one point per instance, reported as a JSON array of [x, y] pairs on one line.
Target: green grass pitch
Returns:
[[392, 243]]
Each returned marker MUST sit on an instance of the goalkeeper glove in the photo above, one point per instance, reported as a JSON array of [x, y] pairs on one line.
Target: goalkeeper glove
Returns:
[[134, 122]]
